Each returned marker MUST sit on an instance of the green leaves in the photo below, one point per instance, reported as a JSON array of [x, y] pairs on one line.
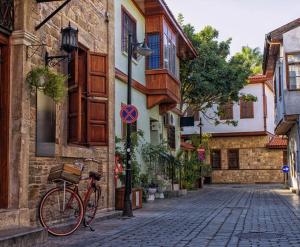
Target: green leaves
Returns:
[[213, 78], [47, 81]]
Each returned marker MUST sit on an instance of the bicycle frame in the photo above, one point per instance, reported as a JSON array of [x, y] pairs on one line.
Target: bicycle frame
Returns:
[[91, 185]]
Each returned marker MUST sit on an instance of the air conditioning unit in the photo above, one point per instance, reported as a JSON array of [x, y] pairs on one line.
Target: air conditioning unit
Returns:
[[169, 120], [155, 126]]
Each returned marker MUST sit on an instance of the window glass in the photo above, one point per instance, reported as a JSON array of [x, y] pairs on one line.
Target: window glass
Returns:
[[154, 45], [293, 71], [233, 159], [171, 137], [295, 58], [169, 49], [215, 157], [128, 27], [46, 124]]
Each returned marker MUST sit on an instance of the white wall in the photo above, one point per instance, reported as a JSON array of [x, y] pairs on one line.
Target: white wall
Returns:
[[291, 40], [270, 110], [244, 125], [138, 67], [138, 99], [293, 153]]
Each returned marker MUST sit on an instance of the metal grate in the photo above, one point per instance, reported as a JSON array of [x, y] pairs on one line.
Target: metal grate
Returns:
[[6, 15]]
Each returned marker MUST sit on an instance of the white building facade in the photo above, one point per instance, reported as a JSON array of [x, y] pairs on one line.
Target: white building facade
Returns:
[[260, 119], [156, 83], [282, 63]]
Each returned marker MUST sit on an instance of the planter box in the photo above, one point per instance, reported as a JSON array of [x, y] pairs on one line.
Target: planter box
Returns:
[[136, 198]]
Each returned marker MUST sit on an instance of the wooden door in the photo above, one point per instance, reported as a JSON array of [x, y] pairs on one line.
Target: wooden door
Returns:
[[4, 119]]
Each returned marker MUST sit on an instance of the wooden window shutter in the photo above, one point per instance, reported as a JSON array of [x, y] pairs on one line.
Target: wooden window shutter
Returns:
[[247, 109], [233, 159], [97, 102], [227, 111], [74, 116]]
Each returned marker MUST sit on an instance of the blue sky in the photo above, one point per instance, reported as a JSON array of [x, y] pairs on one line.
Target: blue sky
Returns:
[[245, 21]]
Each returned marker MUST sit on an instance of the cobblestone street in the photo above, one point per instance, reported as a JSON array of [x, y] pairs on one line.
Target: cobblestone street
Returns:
[[231, 215]]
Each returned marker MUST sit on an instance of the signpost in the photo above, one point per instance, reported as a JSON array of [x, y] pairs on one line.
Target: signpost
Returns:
[[285, 170], [201, 154], [129, 114]]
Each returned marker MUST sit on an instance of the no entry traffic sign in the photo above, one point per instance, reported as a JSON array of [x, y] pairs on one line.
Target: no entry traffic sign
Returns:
[[129, 114]]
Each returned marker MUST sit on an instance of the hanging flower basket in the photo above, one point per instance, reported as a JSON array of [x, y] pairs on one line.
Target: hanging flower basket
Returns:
[[50, 82]]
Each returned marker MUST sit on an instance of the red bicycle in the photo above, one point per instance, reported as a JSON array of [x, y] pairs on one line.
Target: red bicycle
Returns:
[[62, 210]]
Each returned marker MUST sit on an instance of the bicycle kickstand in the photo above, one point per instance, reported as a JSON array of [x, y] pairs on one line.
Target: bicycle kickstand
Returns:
[[91, 228]]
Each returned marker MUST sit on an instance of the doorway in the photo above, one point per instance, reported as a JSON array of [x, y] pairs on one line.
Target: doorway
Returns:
[[4, 119]]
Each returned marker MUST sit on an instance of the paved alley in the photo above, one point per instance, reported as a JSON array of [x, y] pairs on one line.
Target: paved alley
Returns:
[[231, 215]]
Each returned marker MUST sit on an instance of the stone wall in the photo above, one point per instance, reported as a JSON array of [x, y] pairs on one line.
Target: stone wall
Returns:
[[28, 179], [258, 164]]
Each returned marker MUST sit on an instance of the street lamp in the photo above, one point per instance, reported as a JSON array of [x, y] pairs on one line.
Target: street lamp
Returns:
[[143, 50], [200, 125]]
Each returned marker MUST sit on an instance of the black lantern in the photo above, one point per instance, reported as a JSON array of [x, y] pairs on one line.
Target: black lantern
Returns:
[[69, 41]]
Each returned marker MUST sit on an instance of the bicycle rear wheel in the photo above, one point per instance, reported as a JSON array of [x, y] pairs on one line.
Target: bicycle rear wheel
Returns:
[[61, 211], [91, 207]]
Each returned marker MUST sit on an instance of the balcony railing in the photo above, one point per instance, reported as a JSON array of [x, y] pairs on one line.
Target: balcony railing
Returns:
[[6, 16]]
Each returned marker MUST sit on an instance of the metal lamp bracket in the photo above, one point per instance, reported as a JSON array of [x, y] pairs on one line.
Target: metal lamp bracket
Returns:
[[31, 50], [53, 13], [52, 61]]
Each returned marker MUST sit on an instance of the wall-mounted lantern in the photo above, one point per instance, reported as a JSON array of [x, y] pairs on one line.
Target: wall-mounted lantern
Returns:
[[69, 43]]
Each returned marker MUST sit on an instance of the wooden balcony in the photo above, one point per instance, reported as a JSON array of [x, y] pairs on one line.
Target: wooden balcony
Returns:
[[163, 89]]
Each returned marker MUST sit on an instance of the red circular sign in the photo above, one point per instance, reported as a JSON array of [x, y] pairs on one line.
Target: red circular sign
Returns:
[[129, 114]]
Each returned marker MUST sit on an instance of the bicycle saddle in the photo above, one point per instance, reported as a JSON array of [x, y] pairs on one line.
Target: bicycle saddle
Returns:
[[95, 175]]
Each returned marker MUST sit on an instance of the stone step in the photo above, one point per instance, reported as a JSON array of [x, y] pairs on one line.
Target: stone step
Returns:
[[23, 237]]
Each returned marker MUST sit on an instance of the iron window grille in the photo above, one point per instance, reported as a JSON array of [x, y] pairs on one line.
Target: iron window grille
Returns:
[[6, 16]]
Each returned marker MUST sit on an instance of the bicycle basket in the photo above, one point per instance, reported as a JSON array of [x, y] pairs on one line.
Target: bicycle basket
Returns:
[[68, 172]]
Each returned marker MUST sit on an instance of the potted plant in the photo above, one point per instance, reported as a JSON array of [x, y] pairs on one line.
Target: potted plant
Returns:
[[151, 191], [48, 81]]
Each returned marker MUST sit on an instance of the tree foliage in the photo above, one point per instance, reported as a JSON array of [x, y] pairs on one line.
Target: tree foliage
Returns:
[[252, 57], [213, 78]]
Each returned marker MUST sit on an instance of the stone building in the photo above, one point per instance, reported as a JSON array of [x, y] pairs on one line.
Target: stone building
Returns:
[[248, 152], [37, 134]]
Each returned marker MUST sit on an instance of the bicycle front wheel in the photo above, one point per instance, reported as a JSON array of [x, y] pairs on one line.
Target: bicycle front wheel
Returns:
[[61, 211], [91, 206]]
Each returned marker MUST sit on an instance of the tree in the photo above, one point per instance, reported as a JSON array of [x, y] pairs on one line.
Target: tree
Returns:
[[253, 58], [212, 78]]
